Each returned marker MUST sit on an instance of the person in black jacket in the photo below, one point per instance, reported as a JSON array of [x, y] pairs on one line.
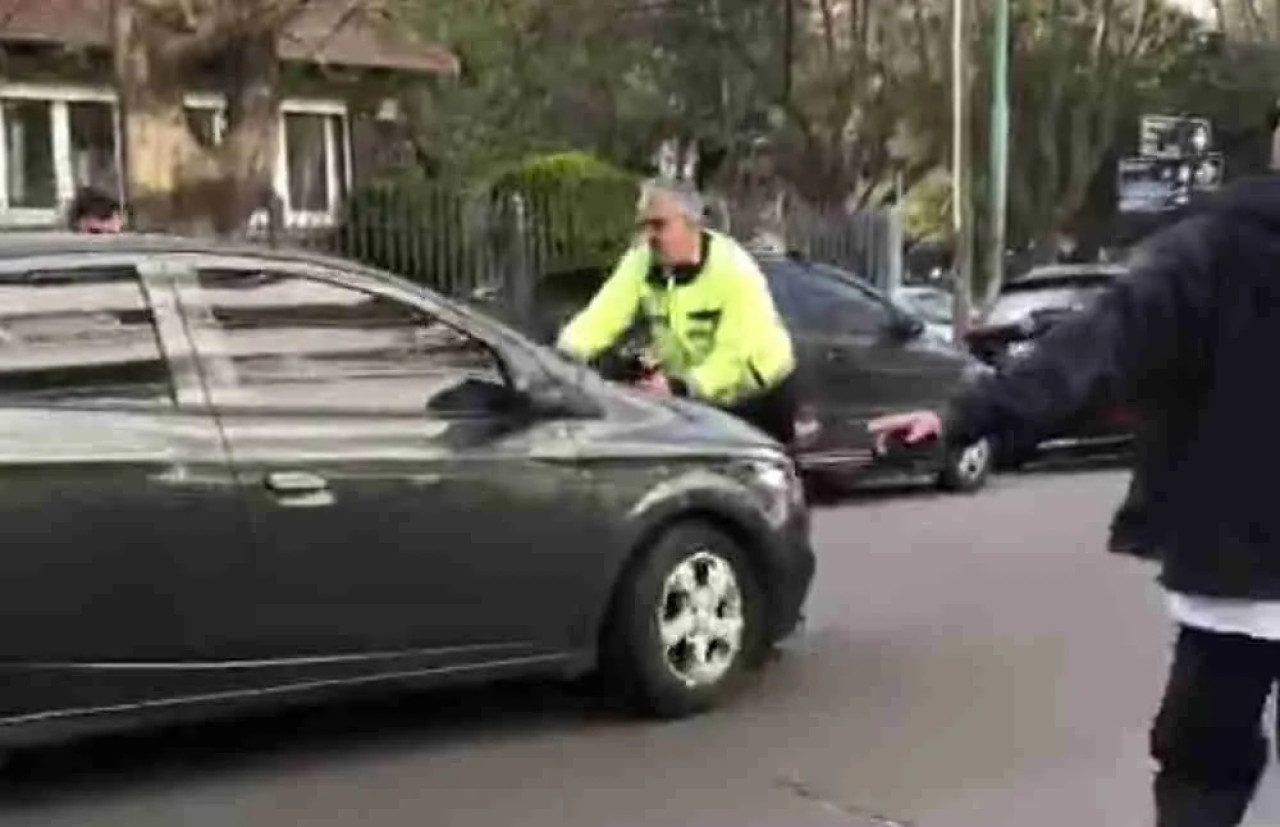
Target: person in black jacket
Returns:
[[1131, 532], [1191, 332]]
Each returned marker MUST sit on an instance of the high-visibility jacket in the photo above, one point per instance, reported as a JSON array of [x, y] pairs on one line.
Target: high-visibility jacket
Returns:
[[714, 326]]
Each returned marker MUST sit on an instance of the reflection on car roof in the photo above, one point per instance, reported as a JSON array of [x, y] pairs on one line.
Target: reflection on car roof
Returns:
[[1066, 271], [18, 244]]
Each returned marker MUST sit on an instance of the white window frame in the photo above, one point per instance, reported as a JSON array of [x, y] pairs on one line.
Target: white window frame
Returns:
[[58, 97], [338, 110]]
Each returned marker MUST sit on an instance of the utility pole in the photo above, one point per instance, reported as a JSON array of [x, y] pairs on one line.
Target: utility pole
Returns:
[[788, 41], [961, 172], [999, 142]]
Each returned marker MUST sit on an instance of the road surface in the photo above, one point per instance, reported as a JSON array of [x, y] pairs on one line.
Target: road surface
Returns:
[[969, 662]]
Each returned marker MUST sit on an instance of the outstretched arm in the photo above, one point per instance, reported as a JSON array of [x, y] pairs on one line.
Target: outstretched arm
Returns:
[[611, 311], [1152, 321]]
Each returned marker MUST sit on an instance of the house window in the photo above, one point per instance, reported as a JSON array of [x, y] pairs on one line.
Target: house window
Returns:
[[94, 152], [315, 161], [205, 124], [28, 143], [307, 149], [55, 140]]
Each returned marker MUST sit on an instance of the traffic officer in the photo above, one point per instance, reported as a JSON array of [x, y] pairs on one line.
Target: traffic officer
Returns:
[[716, 334]]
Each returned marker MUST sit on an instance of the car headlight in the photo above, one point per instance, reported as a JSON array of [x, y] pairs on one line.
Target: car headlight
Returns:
[[779, 486]]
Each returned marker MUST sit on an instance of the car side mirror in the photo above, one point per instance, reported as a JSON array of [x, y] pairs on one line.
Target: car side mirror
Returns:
[[555, 400]]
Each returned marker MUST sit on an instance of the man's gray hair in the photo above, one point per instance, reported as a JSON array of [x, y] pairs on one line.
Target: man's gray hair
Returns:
[[684, 196]]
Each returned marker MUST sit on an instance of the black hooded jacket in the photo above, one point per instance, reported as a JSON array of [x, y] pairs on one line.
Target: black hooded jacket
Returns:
[[1192, 333]]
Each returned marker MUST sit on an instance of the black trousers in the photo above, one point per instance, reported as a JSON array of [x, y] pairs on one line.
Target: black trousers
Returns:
[[1207, 737], [773, 411]]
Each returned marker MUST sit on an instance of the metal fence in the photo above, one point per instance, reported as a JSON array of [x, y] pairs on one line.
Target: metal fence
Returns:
[[468, 242]]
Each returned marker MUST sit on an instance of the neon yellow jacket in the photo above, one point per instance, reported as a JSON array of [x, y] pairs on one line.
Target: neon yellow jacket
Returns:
[[715, 330]]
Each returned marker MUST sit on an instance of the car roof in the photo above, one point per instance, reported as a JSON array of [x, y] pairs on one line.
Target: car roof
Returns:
[[1064, 272], [60, 242]]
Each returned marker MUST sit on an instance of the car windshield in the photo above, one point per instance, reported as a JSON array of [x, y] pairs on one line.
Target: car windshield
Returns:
[[1019, 301], [934, 305]]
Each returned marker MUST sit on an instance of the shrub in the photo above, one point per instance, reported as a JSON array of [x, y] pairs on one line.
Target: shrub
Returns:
[[579, 209]]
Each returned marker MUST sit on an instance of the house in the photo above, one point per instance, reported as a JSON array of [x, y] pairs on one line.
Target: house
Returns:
[[60, 126]]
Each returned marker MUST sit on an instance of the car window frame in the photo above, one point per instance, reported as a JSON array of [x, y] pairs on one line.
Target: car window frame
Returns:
[[155, 302], [183, 274]]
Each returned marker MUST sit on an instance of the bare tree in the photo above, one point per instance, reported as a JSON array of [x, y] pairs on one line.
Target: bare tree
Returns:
[[1084, 68], [163, 48]]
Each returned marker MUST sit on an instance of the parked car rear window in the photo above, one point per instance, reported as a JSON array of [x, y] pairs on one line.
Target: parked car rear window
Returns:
[[1020, 300], [831, 301], [284, 341], [80, 338]]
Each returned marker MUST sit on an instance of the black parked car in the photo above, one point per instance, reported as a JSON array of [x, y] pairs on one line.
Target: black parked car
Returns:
[[1026, 309], [234, 476], [860, 355]]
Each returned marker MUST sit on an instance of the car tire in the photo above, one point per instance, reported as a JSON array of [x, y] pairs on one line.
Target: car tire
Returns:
[[687, 624], [966, 469]]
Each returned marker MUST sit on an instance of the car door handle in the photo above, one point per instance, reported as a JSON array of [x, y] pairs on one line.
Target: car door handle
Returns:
[[835, 354], [293, 483]]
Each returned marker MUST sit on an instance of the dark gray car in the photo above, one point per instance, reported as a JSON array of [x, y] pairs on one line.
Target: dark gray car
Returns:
[[234, 476]]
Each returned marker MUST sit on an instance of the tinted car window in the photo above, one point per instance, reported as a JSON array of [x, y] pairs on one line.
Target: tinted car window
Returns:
[[934, 305], [781, 275], [80, 337], [283, 341], [830, 304]]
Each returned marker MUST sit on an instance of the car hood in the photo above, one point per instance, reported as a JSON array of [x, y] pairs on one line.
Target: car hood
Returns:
[[639, 423]]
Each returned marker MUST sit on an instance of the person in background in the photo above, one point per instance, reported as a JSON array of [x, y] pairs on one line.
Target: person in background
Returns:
[[1190, 332], [94, 212], [717, 335]]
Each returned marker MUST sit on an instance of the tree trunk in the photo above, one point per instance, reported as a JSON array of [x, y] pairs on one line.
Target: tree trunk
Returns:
[[173, 183]]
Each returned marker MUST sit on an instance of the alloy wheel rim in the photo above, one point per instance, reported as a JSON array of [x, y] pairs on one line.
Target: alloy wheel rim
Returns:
[[700, 619], [973, 460]]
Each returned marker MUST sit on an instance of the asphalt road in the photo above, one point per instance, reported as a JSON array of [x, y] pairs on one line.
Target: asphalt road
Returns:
[[969, 661]]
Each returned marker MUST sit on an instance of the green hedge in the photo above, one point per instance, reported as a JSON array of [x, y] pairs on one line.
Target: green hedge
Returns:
[[580, 210], [578, 215]]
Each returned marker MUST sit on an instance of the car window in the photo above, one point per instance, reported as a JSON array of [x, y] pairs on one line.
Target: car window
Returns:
[[934, 306], [831, 305], [780, 275], [280, 341], [80, 338]]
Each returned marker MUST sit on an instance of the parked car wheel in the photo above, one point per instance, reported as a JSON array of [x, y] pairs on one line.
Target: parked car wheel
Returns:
[[967, 468], [687, 623]]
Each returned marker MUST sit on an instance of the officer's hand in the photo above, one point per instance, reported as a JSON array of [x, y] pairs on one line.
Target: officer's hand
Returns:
[[911, 428], [656, 383]]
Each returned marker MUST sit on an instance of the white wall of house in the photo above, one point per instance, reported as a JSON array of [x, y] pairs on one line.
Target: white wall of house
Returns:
[[55, 139]]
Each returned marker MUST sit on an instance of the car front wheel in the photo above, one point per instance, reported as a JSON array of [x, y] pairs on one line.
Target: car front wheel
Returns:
[[966, 468], [687, 623]]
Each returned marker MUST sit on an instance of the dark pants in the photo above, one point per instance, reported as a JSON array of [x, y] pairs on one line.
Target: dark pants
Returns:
[[1208, 736], [773, 411]]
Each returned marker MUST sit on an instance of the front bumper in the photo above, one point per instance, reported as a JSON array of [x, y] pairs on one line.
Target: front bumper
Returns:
[[792, 565]]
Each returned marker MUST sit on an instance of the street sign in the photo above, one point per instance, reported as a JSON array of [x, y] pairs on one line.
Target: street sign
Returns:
[[1166, 136], [1156, 185]]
